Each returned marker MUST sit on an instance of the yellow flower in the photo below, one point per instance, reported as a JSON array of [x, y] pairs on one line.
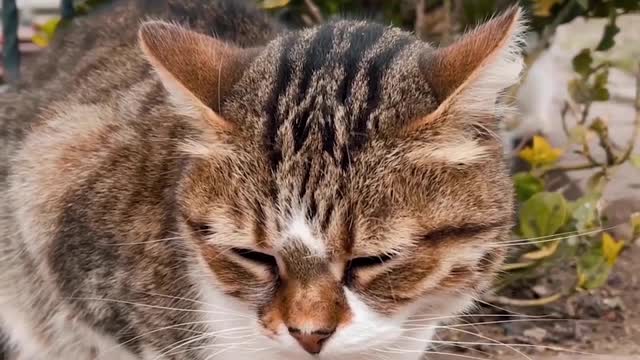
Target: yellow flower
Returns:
[[611, 248], [542, 153], [542, 8]]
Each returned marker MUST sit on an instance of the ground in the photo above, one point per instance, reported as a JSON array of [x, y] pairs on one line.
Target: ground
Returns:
[[604, 323]]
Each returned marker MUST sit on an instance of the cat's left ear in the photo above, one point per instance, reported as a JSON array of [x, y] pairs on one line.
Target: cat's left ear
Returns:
[[197, 70], [468, 76]]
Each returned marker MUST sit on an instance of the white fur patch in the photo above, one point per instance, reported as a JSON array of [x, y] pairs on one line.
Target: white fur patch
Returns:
[[457, 152], [298, 230]]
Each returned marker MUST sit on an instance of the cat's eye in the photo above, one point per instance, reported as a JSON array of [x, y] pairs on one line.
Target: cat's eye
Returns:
[[257, 257], [202, 229], [369, 261]]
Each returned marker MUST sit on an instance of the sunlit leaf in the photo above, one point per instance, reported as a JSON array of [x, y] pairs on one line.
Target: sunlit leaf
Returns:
[[611, 248], [599, 91], [542, 8], [597, 182], [593, 269], [585, 212], [582, 62], [635, 225], [45, 32], [274, 4], [526, 185], [578, 134], [543, 214], [634, 159], [541, 153], [544, 252]]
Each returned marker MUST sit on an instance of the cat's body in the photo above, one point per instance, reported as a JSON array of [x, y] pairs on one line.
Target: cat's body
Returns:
[[255, 198]]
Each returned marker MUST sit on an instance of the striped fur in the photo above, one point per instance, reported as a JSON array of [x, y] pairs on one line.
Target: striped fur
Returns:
[[277, 194]]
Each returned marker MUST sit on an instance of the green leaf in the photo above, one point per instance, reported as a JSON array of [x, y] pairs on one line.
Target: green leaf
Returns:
[[597, 182], [585, 212], [527, 185], [582, 62], [578, 134], [610, 31], [579, 91], [593, 269], [584, 4], [635, 225], [634, 159], [600, 91], [543, 214]]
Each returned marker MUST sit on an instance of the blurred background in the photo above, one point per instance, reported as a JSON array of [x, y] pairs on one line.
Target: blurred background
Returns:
[[572, 284]]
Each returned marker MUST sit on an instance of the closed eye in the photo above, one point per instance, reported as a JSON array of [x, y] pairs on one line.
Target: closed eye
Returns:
[[460, 231], [256, 257], [369, 261]]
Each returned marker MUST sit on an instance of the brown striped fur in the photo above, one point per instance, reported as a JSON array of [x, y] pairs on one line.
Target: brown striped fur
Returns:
[[326, 184]]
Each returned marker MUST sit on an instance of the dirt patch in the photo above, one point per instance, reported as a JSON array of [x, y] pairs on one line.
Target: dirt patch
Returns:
[[590, 325]]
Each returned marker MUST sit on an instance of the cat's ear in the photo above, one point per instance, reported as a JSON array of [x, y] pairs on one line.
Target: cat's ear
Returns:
[[195, 69], [468, 76]]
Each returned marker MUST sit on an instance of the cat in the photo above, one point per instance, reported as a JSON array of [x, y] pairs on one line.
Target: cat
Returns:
[[208, 185]]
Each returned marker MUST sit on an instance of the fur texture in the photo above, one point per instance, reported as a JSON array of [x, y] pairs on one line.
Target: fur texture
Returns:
[[335, 190]]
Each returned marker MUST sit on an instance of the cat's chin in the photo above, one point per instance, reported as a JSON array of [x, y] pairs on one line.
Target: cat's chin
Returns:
[[405, 336]]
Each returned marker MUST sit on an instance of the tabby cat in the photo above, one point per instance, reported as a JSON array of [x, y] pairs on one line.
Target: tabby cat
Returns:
[[210, 187]]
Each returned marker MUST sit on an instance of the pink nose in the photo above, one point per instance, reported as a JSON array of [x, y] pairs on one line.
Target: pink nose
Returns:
[[311, 342]]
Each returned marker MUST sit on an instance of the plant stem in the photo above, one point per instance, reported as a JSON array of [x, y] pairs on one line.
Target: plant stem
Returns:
[[549, 31], [636, 123], [314, 11], [611, 160], [503, 300]]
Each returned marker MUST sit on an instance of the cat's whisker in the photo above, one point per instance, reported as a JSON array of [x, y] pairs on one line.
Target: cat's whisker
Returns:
[[227, 310], [190, 340], [478, 300], [173, 327], [521, 320], [211, 346], [549, 238], [146, 241], [429, 317], [493, 341], [391, 350], [149, 305]]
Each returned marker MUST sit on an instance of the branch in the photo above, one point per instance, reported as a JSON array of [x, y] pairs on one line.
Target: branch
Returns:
[[607, 146], [549, 31], [636, 123], [579, 167], [314, 11], [503, 300]]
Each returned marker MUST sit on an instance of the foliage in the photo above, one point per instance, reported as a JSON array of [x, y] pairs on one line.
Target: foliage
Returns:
[[45, 32], [579, 238]]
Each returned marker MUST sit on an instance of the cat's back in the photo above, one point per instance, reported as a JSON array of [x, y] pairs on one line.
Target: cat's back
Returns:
[[96, 57], [94, 62]]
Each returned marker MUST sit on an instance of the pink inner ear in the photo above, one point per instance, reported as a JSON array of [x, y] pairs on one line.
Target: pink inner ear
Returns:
[[450, 68]]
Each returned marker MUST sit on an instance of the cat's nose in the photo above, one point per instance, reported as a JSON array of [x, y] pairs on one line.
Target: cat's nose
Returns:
[[313, 341]]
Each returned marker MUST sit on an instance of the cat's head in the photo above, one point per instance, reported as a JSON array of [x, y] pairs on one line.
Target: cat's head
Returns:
[[346, 184]]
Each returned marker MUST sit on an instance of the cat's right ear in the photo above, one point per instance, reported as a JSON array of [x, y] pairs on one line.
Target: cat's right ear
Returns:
[[197, 70]]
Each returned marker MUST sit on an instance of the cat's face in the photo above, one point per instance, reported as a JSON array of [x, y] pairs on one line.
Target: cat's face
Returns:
[[346, 193]]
